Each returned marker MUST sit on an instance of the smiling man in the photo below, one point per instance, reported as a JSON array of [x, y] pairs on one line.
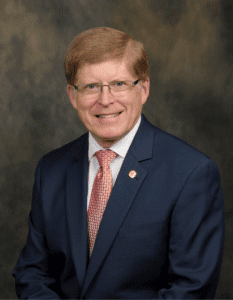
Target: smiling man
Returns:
[[125, 211], [108, 113]]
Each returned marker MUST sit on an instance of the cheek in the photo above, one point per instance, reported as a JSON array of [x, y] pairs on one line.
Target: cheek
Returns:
[[135, 105], [82, 107]]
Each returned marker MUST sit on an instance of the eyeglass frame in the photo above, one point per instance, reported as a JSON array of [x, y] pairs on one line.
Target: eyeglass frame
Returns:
[[101, 85]]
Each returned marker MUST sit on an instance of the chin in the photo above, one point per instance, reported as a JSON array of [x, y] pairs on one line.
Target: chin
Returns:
[[108, 139]]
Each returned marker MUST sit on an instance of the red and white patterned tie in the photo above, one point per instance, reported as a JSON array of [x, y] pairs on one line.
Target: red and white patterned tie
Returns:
[[100, 194]]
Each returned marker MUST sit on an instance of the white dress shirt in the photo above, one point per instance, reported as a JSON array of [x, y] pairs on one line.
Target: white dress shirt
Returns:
[[121, 148]]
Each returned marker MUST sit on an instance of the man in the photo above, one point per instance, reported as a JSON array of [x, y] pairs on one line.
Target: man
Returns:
[[126, 211]]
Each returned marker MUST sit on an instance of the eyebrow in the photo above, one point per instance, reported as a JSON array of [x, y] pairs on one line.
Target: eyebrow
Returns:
[[115, 80], [119, 79]]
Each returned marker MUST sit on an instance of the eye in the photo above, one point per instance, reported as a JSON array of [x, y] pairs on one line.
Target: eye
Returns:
[[91, 86], [118, 83]]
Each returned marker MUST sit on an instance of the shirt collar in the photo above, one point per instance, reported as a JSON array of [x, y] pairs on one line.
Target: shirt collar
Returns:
[[121, 147]]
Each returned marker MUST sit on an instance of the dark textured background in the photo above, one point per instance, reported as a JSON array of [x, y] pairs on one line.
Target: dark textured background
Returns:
[[189, 43]]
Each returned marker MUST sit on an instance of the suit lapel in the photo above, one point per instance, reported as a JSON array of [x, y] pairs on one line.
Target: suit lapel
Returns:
[[76, 208], [121, 198]]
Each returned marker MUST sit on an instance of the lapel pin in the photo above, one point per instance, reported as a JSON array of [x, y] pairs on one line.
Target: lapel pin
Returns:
[[132, 174]]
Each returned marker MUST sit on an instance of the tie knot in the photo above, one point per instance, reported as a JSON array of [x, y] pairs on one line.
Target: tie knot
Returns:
[[105, 157]]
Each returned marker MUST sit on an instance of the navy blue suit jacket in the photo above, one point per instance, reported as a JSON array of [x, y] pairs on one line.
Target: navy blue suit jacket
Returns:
[[161, 235]]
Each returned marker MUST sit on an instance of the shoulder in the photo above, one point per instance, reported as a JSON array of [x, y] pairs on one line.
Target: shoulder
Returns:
[[171, 143], [67, 154], [177, 153], [178, 161], [165, 144]]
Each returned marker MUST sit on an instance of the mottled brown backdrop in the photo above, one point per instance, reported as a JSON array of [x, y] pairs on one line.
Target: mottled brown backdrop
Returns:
[[189, 43]]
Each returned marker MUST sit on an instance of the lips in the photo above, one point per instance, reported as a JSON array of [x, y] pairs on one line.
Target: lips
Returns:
[[109, 114]]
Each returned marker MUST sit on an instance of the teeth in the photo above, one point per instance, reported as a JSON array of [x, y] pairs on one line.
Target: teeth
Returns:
[[109, 116]]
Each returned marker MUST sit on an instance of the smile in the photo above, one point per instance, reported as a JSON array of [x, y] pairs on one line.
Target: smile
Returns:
[[108, 116]]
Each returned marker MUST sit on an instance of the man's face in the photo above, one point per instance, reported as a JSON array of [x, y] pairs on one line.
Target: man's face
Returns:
[[107, 131]]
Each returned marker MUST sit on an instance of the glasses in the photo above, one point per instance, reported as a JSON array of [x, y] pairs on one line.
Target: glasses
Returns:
[[115, 87]]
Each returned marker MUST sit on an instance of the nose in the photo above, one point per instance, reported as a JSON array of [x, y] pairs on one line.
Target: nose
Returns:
[[106, 97]]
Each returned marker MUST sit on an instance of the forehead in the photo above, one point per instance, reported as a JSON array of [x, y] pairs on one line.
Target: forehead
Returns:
[[104, 71]]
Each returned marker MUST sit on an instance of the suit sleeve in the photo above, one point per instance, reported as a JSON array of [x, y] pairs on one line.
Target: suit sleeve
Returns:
[[196, 236], [32, 277]]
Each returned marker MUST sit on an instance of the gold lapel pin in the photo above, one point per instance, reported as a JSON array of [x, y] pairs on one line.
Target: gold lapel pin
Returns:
[[132, 174]]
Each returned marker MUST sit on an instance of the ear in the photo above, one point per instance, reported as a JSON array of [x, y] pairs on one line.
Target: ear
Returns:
[[72, 95], [145, 90]]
